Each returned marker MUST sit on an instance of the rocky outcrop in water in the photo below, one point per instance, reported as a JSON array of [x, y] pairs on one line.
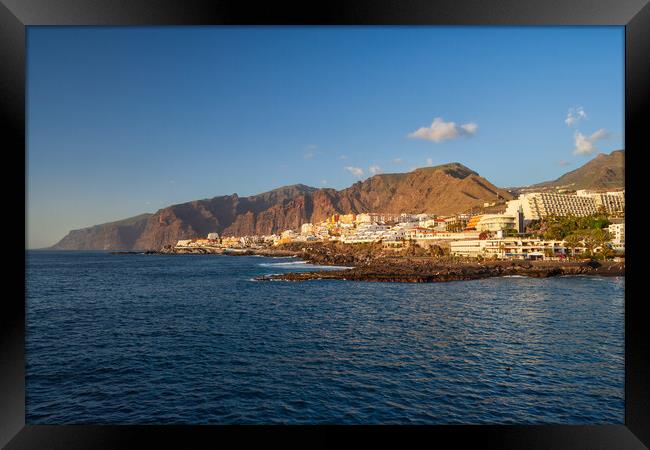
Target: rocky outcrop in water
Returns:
[[427, 271]]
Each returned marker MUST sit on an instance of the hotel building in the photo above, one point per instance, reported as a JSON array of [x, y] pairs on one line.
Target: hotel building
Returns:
[[509, 248], [612, 201], [538, 205]]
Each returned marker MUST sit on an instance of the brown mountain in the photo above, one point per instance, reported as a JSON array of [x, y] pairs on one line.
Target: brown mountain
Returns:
[[446, 189], [603, 172], [120, 235]]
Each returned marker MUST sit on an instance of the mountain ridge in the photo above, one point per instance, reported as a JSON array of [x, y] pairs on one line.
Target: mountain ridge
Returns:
[[601, 172], [444, 189]]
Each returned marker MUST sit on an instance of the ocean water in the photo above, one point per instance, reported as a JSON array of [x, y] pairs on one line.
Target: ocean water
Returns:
[[126, 339]]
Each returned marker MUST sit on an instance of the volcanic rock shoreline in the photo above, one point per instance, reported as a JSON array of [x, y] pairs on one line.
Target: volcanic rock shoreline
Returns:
[[414, 271], [372, 262]]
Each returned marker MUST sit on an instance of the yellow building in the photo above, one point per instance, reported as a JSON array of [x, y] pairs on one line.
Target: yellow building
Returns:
[[333, 219], [229, 241], [347, 218], [473, 222]]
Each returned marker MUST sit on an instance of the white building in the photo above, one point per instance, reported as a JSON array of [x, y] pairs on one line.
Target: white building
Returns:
[[428, 234], [367, 232], [612, 201], [538, 205], [322, 232], [470, 247], [407, 225], [366, 218], [509, 248], [617, 230], [427, 223], [307, 229], [382, 218], [408, 218], [496, 222]]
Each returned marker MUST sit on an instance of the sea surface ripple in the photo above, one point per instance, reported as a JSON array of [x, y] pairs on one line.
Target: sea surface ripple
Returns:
[[174, 339]]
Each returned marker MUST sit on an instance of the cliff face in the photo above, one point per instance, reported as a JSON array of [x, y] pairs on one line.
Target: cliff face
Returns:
[[120, 235], [447, 189]]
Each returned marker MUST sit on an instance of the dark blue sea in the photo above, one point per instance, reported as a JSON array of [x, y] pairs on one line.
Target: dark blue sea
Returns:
[[126, 339]]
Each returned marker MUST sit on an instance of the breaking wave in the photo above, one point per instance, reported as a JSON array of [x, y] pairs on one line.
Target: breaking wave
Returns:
[[294, 264], [282, 264]]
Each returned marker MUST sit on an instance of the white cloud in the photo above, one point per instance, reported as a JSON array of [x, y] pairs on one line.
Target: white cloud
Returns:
[[563, 163], [374, 169], [429, 162], [470, 128], [586, 145], [311, 152], [356, 171], [343, 157], [600, 134], [574, 115], [583, 145], [441, 131], [323, 182], [398, 161]]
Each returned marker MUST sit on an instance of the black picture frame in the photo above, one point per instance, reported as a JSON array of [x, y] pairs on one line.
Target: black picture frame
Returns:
[[16, 15]]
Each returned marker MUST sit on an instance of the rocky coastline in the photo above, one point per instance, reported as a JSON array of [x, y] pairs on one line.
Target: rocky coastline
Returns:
[[372, 262], [414, 271]]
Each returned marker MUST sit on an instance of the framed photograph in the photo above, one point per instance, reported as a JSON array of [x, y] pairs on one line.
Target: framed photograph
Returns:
[[368, 219]]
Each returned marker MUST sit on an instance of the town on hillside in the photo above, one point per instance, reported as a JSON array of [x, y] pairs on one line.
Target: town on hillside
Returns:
[[535, 226]]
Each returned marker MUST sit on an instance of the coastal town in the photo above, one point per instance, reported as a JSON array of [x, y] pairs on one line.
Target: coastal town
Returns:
[[549, 226]]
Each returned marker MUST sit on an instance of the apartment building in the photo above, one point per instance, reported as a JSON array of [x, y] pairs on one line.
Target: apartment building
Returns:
[[538, 205], [617, 230], [510, 248], [366, 232], [611, 201]]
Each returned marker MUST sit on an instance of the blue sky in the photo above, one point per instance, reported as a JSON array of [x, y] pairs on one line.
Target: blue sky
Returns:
[[129, 120]]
